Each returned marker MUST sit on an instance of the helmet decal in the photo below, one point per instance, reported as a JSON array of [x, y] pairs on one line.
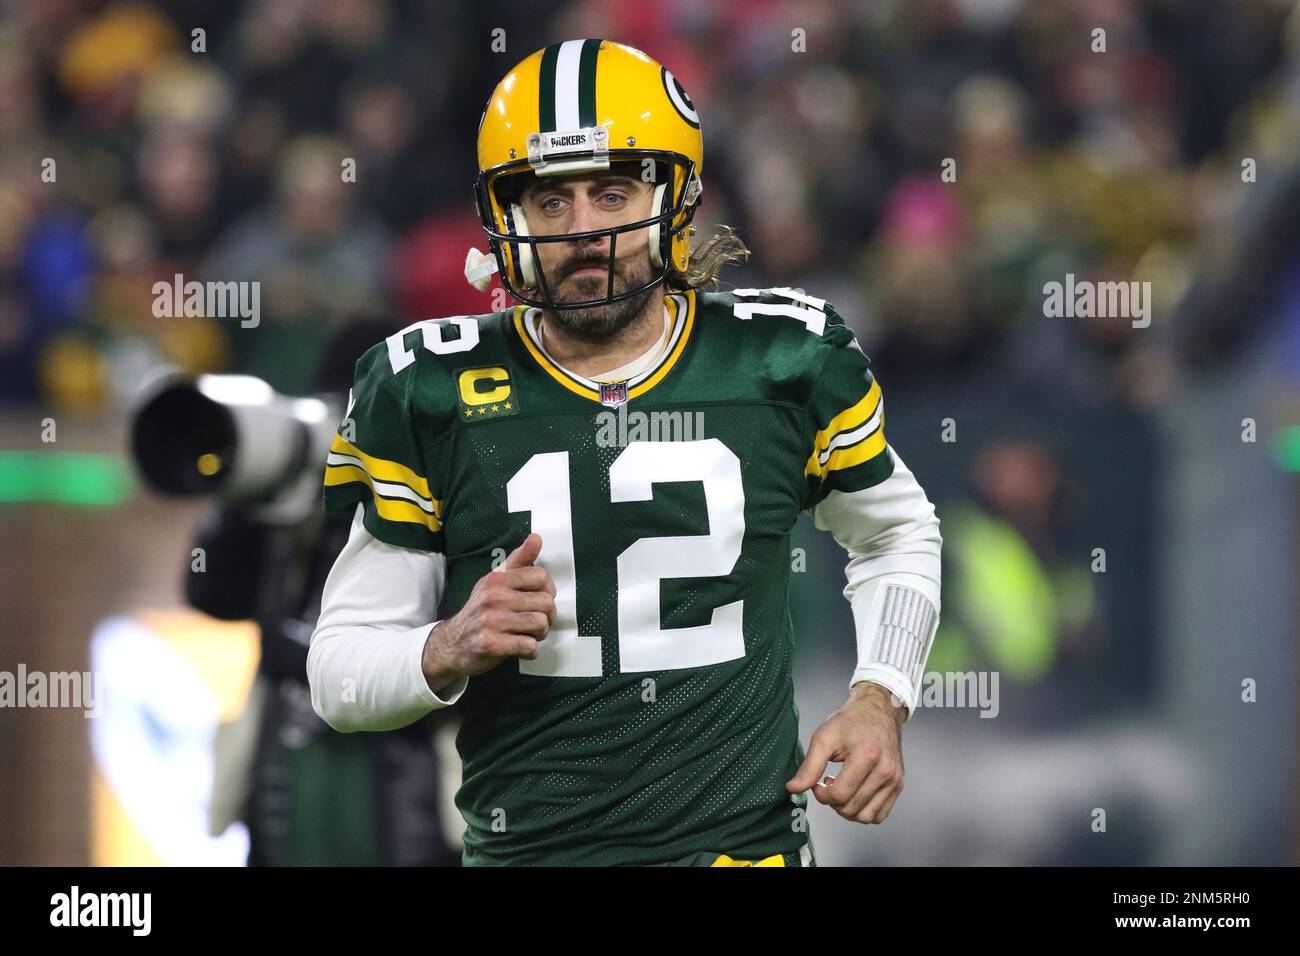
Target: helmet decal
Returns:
[[677, 96], [577, 108], [566, 90]]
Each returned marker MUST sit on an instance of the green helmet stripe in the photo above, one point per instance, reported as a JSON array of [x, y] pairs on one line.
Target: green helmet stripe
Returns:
[[587, 84], [566, 87], [546, 87]]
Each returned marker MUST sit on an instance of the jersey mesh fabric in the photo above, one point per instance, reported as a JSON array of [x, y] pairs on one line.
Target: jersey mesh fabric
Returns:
[[638, 766]]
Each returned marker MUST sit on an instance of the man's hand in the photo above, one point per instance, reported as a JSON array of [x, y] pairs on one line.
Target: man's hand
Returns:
[[508, 613], [864, 735]]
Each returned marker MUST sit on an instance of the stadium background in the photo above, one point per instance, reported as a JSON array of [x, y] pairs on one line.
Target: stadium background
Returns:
[[1119, 690]]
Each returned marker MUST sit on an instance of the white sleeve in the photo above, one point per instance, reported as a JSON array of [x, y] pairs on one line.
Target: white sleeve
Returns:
[[378, 606], [891, 534]]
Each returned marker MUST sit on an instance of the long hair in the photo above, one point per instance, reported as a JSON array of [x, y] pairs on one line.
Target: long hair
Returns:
[[718, 250]]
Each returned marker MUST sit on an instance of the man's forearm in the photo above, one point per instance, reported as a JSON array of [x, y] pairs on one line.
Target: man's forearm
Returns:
[[366, 661], [368, 678], [893, 577]]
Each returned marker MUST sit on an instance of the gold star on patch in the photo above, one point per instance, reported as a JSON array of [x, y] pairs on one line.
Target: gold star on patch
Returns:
[[496, 408]]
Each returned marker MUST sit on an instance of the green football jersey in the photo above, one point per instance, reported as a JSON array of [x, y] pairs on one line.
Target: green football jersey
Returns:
[[658, 720]]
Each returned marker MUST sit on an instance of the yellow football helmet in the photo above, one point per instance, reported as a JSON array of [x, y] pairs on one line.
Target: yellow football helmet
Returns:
[[578, 107]]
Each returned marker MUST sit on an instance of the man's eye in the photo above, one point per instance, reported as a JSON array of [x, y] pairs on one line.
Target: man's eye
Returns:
[[552, 204], [613, 199]]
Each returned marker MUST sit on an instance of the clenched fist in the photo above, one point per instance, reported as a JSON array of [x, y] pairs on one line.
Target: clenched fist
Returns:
[[509, 611]]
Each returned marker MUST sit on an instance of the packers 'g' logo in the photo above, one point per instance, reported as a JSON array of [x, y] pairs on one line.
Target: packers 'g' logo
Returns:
[[486, 393], [677, 96]]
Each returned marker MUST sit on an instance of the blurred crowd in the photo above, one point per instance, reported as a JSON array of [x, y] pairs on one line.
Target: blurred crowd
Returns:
[[927, 166], [143, 140]]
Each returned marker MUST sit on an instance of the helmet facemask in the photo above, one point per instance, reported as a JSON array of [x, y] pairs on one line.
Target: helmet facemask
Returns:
[[673, 204]]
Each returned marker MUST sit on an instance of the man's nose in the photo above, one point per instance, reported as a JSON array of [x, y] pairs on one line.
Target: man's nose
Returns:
[[586, 217]]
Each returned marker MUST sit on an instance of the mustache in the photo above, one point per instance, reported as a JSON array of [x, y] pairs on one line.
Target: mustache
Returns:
[[602, 263]]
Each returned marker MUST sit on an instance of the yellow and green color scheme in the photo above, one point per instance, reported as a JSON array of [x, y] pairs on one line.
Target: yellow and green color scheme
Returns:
[[659, 721], [578, 107]]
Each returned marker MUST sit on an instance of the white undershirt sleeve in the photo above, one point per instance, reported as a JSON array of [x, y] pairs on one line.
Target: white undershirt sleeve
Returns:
[[891, 534], [378, 606]]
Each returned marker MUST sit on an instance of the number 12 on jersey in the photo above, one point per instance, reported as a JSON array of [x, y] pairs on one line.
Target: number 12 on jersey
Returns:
[[541, 488]]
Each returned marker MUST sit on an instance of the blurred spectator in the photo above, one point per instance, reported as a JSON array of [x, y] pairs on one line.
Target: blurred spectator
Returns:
[[825, 148], [926, 166], [318, 258]]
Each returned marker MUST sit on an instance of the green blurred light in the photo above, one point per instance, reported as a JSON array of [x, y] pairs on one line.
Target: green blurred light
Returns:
[[90, 479], [1286, 447]]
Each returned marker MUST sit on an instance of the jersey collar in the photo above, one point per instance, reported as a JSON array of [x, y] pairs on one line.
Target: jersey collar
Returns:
[[681, 307]]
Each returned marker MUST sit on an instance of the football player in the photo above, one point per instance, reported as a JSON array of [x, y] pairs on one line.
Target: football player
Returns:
[[597, 487]]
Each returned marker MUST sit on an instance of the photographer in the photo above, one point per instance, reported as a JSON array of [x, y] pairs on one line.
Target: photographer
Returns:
[[313, 796]]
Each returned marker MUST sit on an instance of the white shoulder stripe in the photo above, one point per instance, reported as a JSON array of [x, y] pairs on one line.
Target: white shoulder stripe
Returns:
[[844, 439], [388, 489]]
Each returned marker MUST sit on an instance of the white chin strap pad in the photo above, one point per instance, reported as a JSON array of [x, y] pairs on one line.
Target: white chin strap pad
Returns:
[[527, 263], [656, 260]]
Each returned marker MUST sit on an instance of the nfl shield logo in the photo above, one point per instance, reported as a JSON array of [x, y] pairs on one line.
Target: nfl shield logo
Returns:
[[613, 394]]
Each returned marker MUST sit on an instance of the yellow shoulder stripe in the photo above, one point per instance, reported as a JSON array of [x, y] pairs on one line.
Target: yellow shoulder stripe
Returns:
[[383, 469], [853, 417], [390, 509], [848, 419], [847, 457]]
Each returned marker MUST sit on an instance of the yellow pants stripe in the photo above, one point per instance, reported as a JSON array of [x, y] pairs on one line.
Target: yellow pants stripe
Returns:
[[777, 859]]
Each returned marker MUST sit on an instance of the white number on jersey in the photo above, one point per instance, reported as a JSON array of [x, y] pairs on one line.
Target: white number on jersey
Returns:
[[809, 313], [541, 487], [431, 335]]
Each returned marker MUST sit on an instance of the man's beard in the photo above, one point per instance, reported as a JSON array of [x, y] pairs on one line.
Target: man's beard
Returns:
[[600, 323]]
